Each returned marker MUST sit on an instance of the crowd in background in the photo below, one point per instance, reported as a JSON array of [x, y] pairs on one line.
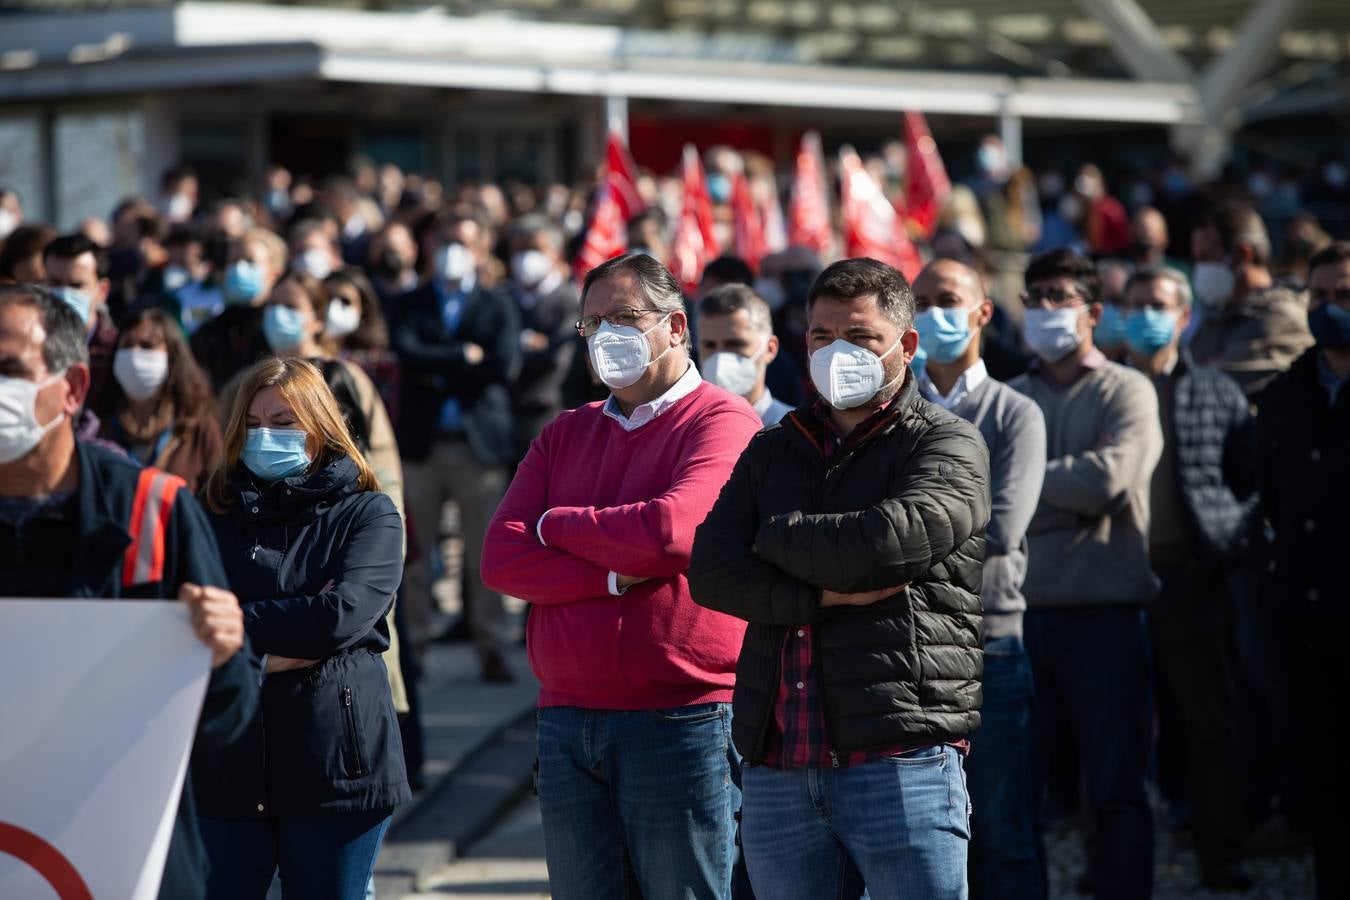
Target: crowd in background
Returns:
[[442, 318]]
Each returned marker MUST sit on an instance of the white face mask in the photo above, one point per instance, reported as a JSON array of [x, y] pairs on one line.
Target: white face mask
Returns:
[[175, 277], [733, 372], [315, 261], [621, 354], [20, 430], [531, 268], [342, 319], [454, 263], [140, 372], [1052, 334], [847, 375], [1214, 283]]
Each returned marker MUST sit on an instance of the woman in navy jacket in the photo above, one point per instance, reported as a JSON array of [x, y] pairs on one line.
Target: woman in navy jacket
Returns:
[[315, 553]]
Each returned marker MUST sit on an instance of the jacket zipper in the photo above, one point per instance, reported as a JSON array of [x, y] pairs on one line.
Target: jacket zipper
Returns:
[[351, 726], [820, 686], [768, 717]]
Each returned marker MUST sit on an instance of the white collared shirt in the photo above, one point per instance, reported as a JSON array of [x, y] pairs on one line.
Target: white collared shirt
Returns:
[[648, 411], [769, 410], [970, 379]]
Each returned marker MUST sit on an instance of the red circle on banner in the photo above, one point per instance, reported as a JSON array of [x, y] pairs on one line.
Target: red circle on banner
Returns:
[[46, 860]]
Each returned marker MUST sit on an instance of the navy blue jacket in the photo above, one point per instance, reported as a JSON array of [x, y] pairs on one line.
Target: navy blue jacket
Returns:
[[435, 370], [315, 562], [103, 507]]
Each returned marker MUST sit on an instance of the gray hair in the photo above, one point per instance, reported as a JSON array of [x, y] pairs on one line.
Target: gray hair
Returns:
[[729, 299], [1163, 273], [65, 344], [536, 224], [653, 278]]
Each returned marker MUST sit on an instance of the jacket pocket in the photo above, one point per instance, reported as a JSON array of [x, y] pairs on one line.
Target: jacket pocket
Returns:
[[356, 763]]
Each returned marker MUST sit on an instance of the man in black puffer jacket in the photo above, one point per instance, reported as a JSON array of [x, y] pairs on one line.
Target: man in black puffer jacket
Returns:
[[851, 538], [1201, 501]]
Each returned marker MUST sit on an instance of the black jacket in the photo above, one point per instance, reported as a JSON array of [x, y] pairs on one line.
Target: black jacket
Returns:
[[1213, 430], [230, 342], [1304, 443], [435, 369], [101, 512], [536, 394], [908, 503], [315, 562]]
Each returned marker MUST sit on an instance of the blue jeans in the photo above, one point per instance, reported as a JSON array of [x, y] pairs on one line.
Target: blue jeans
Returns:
[[904, 822], [638, 801], [1092, 668], [320, 857], [1005, 859]]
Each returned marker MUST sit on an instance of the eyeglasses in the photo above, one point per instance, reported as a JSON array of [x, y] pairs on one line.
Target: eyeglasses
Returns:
[[623, 316], [1052, 297]]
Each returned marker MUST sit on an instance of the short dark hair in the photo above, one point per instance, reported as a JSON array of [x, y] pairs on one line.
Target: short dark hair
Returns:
[[1238, 222], [183, 234], [65, 344], [71, 246], [23, 243], [1332, 255], [1065, 263], [726, 299], [850, 279], [729, 270]]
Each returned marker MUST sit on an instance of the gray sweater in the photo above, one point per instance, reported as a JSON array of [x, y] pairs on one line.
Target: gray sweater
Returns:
[[1089, 537], [1014, 430]]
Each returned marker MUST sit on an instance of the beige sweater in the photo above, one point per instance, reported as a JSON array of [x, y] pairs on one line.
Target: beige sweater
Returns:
[[1088, 541]]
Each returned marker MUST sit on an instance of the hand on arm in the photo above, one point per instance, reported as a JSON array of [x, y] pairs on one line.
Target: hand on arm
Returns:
[[865, 598]]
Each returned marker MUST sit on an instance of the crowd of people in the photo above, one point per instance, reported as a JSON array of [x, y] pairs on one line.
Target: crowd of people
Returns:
[[835, 582]]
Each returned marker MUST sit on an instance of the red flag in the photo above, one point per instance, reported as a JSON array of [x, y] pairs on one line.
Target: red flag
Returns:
[[809, 209], [747, 222], [771, 214], [871, 225], [616, 202], [695, 241], [926, 183]]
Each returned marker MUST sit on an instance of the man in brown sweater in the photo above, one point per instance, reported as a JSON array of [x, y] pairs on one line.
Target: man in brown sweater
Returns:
[[1088, 576], [1249, 328]]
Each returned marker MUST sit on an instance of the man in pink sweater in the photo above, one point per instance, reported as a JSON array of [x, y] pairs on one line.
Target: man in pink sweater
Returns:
[[637, 774]]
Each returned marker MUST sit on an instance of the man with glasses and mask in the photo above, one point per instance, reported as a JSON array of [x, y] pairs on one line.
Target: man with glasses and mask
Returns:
[[637, 776], [736, 344], [952, 312], [1303, 432], [1088, 577], [851, 539]]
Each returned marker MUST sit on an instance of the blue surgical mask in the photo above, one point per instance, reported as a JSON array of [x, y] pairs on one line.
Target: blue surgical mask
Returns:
[[918, 363], [283, 327], [944, 334], [275, 453], [243, 283], [1149, 330], [1110, 331], [77, 300], [1330, 326]]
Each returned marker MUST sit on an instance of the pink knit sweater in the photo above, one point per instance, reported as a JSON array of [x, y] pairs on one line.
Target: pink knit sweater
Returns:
[[627, 502]]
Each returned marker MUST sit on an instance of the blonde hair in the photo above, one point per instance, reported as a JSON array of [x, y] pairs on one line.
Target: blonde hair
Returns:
[[272, 245], [303, 388]]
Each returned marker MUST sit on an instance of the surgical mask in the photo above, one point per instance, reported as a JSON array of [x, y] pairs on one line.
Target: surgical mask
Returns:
[[531, 267], [454, 262], [847, 375], [620, 354], [315, 261], [733, 372], [20, 430], [1110, 331], [77, 300], [919, 362], [140, 372], [342, 319], [1149, 330], [275, 453], [283, 327], [1330, 326], [175, 277], [1052, 334], [944, 334], [1214, 283], [243, 283], [8, 222]]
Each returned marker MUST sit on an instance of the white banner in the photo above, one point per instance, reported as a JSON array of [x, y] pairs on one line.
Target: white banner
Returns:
[[98, 707]]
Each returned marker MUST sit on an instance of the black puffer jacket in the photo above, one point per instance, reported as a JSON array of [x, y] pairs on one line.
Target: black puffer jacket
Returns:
[[908, 503], [1215, 457], [315, 561], [1304, 444]]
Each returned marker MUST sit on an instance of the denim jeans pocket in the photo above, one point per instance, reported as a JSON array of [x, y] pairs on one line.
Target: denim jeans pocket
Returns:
[[687, 715], [934, 756]]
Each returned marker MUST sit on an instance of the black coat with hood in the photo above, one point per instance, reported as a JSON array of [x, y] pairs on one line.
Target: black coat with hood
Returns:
[[315, 561]]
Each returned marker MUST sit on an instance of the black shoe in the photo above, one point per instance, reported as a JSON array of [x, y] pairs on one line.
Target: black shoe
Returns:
[[495, 670], [1232, 877]]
